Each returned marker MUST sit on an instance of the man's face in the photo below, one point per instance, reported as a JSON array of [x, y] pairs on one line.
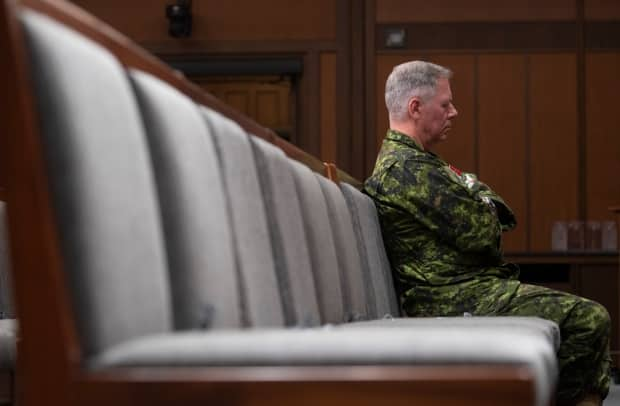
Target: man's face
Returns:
[[436, 114]]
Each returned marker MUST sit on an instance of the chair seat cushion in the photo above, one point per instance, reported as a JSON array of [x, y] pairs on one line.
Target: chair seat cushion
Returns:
[[423, 345], [535, 325]]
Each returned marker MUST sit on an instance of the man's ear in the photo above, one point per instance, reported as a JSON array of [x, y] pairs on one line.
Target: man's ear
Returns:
[[413, 107]]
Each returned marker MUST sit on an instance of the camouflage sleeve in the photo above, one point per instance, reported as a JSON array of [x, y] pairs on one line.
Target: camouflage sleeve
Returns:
[[448, 208], [505, 214]]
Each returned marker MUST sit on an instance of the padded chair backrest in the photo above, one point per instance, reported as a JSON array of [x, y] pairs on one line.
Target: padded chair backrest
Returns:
[[254, 254], [349, 259], [370, 242], [288, 236], [320, 244], [200, 246], [6, 285], [102, 187]]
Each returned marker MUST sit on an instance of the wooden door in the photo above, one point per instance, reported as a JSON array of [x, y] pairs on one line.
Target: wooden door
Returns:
[[267, 99]]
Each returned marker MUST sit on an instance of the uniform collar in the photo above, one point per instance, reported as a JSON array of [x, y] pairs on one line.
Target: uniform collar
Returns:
[[401, 138]]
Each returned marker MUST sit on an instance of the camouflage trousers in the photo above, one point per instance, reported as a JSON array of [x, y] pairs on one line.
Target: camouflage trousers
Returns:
[[584, 328], [584, 325]]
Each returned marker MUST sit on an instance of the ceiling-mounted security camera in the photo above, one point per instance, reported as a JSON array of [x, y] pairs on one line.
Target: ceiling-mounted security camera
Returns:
[[180, 18]]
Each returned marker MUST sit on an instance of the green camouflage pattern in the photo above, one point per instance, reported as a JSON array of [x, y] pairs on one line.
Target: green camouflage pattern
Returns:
[[442, 230], [585, 328]]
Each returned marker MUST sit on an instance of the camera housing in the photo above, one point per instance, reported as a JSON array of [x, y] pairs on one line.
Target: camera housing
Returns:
[[180, 19]]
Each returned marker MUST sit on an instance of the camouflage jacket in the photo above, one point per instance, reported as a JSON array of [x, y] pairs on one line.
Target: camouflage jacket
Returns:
[[442, 230]]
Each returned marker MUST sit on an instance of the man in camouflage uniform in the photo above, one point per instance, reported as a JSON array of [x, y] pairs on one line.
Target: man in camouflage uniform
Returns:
[[442, 230]]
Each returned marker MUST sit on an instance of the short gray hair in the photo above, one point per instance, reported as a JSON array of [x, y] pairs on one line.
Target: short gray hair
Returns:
[[409, 79]]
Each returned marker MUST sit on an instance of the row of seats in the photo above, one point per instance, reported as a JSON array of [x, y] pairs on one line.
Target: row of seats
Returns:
[[188, 242]]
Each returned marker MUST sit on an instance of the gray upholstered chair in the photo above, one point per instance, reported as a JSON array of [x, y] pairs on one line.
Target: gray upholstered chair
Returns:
[[195, 214], [375, 264], [321, 244], [357, 287], [101, 185], [288, 235], [260, 283]]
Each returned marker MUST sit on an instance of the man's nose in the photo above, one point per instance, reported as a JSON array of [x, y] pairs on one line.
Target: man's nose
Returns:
[[453, 111]]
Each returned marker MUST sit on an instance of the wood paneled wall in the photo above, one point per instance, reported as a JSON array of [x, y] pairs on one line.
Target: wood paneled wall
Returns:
[[502, 155], [389, 11], [215, 20], [329, 130], [535, 84], [315, 32], [553, 145], [603, 133], [606, 10]]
